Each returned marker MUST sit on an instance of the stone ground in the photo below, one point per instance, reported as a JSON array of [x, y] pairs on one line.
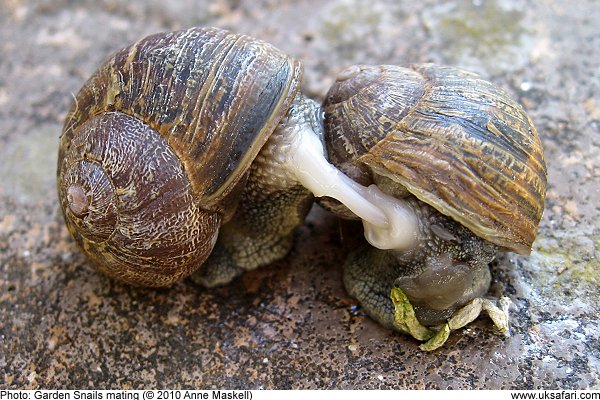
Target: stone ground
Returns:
[[291, 325]]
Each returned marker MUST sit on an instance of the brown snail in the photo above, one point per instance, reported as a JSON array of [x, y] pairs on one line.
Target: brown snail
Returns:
[[192, 148], [467, 166]]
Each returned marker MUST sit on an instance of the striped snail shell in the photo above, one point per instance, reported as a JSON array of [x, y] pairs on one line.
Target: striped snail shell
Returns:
[[156, 148], [450, 138]]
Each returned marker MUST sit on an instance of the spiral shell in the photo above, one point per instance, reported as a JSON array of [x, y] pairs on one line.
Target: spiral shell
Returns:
[[455, 141]]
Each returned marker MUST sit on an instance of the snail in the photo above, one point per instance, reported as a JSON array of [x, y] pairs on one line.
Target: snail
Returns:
[[194, 153], [467, 167]]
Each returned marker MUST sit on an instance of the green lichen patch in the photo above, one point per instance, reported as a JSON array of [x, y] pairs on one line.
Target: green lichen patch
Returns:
[[489, 34], [566, 264]]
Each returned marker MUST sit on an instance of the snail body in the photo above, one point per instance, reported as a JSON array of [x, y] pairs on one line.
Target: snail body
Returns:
[[462, 158]]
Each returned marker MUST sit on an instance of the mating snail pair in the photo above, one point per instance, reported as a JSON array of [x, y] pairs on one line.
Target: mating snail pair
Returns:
[[194, 153]]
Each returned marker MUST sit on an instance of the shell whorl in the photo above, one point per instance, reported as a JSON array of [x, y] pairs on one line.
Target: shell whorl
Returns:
[[140, 222], [453, 140]]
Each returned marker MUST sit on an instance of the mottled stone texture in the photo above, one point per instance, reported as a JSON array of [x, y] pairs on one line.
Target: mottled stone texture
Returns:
[[291, 325]]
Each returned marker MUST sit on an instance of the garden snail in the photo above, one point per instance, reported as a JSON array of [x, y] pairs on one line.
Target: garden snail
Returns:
[[194, 148], [467, 166]]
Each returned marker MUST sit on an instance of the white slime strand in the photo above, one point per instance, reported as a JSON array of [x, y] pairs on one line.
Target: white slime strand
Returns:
[[388, 223]]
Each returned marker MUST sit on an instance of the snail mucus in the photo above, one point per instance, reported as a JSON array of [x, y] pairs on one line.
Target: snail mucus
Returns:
[[194, 153]]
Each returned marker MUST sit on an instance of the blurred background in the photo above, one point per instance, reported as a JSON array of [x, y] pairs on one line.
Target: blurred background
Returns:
[[291, 325]]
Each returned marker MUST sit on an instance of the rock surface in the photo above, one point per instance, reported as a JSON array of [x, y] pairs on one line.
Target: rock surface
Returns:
[[291, 325]]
